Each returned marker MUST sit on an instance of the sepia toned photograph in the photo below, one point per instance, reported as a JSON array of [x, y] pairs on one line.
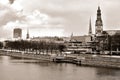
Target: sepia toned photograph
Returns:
[[59, 40]]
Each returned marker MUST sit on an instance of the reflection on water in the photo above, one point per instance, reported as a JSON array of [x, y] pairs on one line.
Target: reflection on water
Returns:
[[108, 74], [26, 69]]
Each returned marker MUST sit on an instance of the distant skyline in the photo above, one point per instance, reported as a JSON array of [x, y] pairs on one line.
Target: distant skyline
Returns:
[[56, 17]]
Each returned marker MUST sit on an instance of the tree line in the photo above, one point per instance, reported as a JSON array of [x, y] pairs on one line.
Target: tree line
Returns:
[[36, 46]]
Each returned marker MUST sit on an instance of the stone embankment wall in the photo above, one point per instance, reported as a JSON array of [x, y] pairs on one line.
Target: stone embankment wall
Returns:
[[88, 60], [26, 55], [102, 61]]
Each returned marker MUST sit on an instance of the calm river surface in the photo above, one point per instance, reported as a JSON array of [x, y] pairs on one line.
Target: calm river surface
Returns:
[[23, 69]]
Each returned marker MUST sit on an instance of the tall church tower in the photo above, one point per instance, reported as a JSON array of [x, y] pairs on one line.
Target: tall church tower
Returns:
[[90, 28], [98, 24]]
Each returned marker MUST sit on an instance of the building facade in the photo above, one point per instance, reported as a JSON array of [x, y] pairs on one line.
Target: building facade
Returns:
[[48, 39], [17, 33]]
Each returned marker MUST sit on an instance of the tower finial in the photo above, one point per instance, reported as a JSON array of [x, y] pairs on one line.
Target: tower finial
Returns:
[[98, 7]]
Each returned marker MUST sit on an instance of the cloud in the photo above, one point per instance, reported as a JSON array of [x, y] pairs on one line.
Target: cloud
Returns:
[[24, 20], [72, 14], [17, 6], [37, 18], [7, 14], [4, 2], [66, 15], [12, 17]]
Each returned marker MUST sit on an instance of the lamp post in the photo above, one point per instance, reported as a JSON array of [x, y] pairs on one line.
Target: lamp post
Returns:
[[111, 33]]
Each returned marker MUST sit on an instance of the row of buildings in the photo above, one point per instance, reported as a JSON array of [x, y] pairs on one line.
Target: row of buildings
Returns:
[[106, 40], [102, 42]]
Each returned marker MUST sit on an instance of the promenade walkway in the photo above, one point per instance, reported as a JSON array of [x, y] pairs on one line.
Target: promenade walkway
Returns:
[[81, 59]]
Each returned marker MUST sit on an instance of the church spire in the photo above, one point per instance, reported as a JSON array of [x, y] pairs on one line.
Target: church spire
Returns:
[[99, 14], [71, 36], [27, 36], [90, 28], [99, 24]]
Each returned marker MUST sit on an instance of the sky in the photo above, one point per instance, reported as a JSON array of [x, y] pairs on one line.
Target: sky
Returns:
[[56, 17]]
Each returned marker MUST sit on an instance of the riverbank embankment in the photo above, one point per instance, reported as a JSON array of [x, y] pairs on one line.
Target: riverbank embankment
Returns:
[[100, 60], [81, 59], [21, 54]]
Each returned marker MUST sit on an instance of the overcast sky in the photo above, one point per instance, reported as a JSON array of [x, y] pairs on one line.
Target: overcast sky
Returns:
[[56, 17]]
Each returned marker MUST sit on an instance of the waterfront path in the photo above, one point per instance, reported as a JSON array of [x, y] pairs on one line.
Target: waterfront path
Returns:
[[22, 54], [81, 59]]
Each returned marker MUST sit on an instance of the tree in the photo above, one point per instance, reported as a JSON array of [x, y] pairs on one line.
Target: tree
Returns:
[[61, 47], [1, 45]]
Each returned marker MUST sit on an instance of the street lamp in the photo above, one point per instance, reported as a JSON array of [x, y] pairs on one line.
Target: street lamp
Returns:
[[111, 33]]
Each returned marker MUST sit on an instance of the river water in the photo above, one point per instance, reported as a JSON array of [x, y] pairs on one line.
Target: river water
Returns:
[[24, 69]]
